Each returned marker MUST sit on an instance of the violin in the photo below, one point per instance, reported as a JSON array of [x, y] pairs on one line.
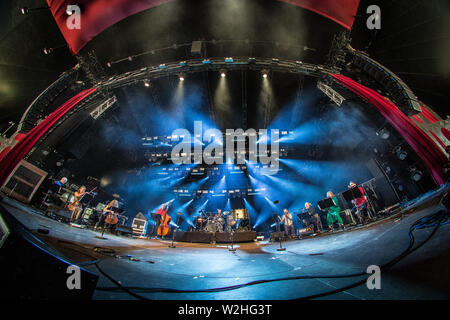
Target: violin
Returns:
[[164, 227]]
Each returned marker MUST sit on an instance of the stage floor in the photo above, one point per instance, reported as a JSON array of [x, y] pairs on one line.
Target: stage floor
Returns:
[[192, 266]]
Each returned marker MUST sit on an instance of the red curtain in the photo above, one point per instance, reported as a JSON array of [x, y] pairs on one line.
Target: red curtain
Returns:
[[21, 149], [98, 15], [342, 11], [427, 150], [95, 16]]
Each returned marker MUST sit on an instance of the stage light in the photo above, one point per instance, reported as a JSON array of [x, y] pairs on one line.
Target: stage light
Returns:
[[181, 77], [265, 74], [401, 154], [416, 175], [146, 83], [48, 50], [223, 73], [228, 60], [383, 133], [24, 11]]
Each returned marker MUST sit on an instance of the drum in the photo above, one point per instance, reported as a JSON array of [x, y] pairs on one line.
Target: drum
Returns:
[[219, 220], [230, 221], [212, 226], [199, 223]]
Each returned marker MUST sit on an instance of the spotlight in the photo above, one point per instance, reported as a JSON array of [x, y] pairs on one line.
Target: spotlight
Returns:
[[146, 83], [181, 77], [401, 154], [223, 73], [265, 73], [416, 175], [383, 133], [48, 50], [24, 11]]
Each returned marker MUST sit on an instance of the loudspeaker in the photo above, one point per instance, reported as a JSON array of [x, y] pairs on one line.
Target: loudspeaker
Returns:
[[24, 181], [138, 225], [382, 186]]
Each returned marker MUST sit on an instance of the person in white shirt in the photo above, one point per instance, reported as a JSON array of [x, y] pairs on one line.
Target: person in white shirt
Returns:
[[288, 223]]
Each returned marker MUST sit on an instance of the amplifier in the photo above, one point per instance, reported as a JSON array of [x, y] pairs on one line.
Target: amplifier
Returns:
[[24, 181], [138, 226]]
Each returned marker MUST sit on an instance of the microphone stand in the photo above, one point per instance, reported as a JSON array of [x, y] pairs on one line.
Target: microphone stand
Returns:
[[174, 231], [278, 227]]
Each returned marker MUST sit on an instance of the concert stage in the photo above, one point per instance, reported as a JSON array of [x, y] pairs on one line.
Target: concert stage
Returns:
[[141, 264]]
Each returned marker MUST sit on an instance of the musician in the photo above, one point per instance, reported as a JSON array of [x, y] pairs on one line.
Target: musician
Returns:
[[359, 204], [108, 209], [289, 229], [333, 212], [220, 218], [58, 185], [75, 206], [54, 192], [311, 218]]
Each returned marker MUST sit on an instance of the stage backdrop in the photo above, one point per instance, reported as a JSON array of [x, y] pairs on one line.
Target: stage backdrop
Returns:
[[98, 15], [423, 145]]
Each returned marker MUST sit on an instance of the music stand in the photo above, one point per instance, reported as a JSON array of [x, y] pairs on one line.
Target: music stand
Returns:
[[353, 194], [325, 203]]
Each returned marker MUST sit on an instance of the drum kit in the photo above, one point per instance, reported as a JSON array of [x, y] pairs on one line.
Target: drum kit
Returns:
[[227, 222]]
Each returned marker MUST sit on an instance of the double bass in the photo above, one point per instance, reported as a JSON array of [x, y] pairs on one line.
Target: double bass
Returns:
[[164, 227]]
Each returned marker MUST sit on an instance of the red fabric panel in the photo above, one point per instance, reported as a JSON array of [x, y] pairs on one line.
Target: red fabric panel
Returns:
[[428, 115], [417, 118], [342, 11], [437, 138], [446, 133], [96, 16], [422, 144], [21, 149]]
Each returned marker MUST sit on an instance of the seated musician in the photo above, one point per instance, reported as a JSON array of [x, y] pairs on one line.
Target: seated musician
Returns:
[[311, 218], [333, 212], [75, 206], [359, 204], [289, 229], [107, 210], [56, 188], [58, 185]]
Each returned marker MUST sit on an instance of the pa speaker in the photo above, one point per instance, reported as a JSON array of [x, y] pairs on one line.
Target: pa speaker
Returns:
[[24, 181]]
